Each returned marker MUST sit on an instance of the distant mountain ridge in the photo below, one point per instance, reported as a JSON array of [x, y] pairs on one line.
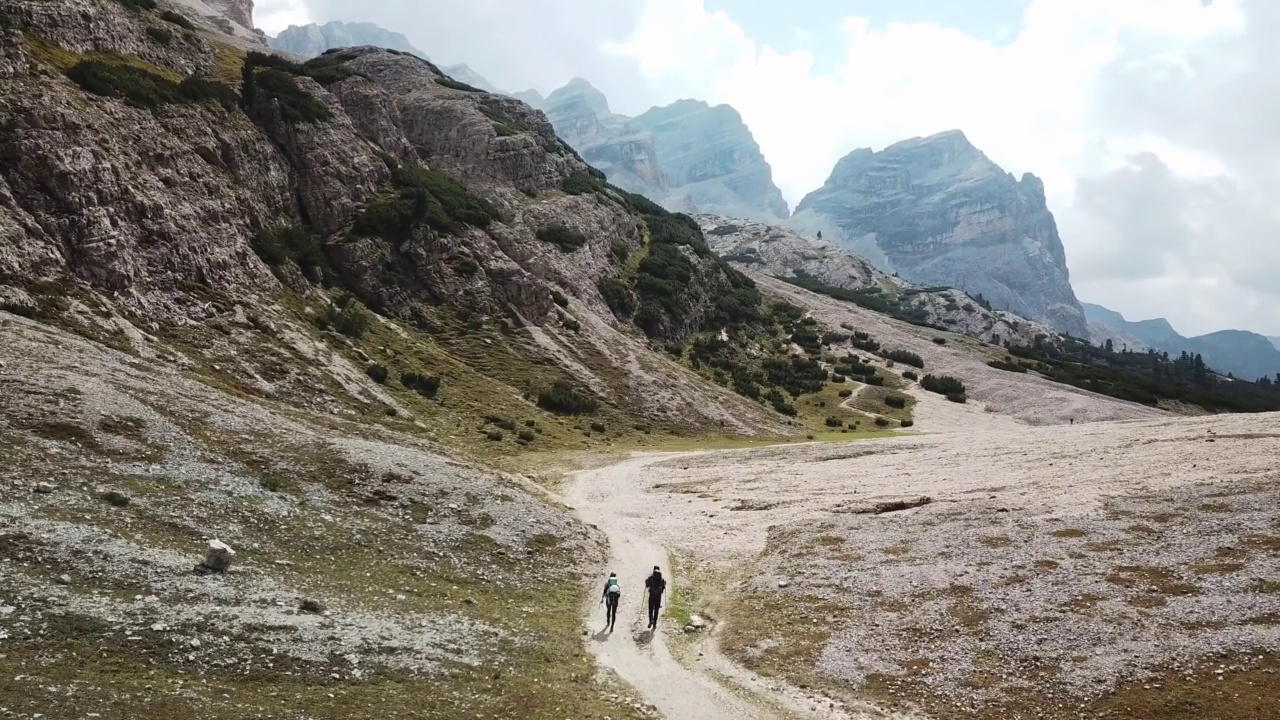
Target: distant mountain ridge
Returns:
[[1246, 355], [938, 211], [688, 156], [313, 39]]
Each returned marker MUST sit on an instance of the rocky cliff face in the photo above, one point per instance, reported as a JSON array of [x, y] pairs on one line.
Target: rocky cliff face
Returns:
[[826, 266], [186, 198], [687, 156], [311, 40], [938, 212]]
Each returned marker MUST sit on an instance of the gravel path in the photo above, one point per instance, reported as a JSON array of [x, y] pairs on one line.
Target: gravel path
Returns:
[[614, 499]]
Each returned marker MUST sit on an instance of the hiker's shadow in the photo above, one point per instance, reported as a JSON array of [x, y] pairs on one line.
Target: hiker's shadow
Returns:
[[602, 635], [643, 637]]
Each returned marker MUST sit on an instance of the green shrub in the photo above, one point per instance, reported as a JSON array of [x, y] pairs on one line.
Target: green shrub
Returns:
[[295, 104], [957, 398], [377, 373], [425, 385], [1008, 366], [910, 375], [895, 401], [905, 357], [784, 408], [581, 183], [563, 237], [846, 393], [907, 423], [466, 266], [571, 323], [838, 379], [882, 422], [452, 84], [597, 427], [558, 298], [501, 422], [425, 195], [875, 380], [160, 35], [281, 243], [178, 19], [618, 297], [866, 344], [619, 251], [271, 483], [138, 5], [942, 384], [144, 89], [526, 436], [835, 422], [939, 341], [563, 398], [495, 435], [329, 68], [116, 499], [345, 316]]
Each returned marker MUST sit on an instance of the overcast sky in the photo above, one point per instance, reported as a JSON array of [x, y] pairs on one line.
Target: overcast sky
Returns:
[[1154, 123]]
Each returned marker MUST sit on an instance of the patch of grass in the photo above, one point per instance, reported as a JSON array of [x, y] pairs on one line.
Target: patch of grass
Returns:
[[1069, 533], [61, 431], [503, 124], [345, 316], [1172, 695], [997, 541], [377, 373], [132, 428], [1147, 578]]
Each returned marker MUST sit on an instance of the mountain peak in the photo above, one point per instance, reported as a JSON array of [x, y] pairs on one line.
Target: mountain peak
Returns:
[[939, 212], [579, 90]]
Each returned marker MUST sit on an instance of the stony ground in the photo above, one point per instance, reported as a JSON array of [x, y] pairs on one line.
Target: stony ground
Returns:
[[375, 576], [1050, 569]]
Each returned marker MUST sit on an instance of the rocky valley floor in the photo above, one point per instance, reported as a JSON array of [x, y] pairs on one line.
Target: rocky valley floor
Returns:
[[974, 565], [1121, 569]]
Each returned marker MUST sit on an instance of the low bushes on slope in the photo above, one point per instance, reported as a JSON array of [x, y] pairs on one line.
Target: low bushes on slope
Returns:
[[562, 236], [563, 398], [905, 357], [145, 88], [423, 196], [942, 384]]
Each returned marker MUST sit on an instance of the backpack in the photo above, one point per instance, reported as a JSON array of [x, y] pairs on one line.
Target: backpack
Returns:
[[613, 588]]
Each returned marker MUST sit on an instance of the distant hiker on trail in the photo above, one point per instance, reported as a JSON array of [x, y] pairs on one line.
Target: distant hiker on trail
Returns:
[[610, 600], [655, 585]]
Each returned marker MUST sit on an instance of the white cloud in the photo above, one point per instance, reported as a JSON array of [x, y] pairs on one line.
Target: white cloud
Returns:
[[272, 16], [1041, 101], [1082, 93]]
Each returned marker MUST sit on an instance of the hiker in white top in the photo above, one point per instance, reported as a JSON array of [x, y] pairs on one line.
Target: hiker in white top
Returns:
[[610, 599]]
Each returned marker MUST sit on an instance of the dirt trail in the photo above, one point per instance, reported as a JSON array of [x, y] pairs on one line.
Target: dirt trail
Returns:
[[615, 498]]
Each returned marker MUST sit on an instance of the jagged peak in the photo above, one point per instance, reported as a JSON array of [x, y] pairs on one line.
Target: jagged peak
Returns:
[[580, 88]]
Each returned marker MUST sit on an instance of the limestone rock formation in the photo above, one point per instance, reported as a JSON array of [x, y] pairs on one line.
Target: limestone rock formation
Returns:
[[688, 156], [234, 211], [313, 39], [821, 264], [937, 211]]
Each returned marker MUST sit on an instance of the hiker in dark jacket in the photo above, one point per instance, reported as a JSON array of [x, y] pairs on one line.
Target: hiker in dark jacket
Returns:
[[610, 599], [655, 585]]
